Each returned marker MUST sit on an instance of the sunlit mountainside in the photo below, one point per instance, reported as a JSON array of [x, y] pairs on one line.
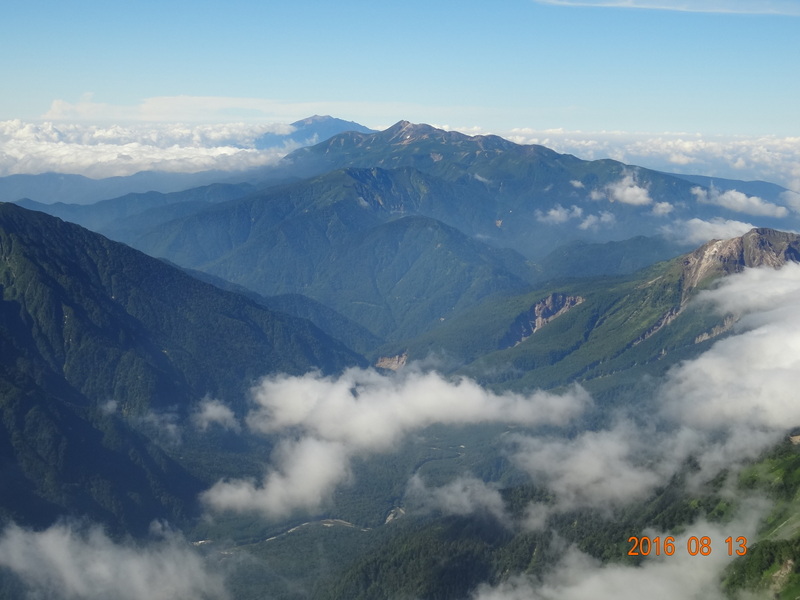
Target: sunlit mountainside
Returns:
[[408, 363]]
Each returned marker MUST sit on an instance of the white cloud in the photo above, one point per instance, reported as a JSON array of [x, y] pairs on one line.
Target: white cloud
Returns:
[[558, 214], [368, 410], [164, 425], [596, 221], [723, 408], [697, 231], [767, 158], [750, 7], [628, 191], [597, 195], [739, 202], [117, 151], [578, 576], [791, 199], [110, 407], [214, 412], [765, 358], [68, 563], [170, 140], [462, 496], [325, 421], [597, 468], [661, 209], [307, 472]]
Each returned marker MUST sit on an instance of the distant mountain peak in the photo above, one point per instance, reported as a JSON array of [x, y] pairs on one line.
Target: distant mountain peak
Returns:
[[405, 130], [311, 130], [328, 120]]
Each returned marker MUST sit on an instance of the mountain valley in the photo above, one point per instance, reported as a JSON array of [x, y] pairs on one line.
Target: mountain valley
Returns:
[[406, 363]]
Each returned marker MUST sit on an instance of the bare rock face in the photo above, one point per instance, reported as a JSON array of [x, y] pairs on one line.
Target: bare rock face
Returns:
[[539, 315], [758, 247], [394, 363]]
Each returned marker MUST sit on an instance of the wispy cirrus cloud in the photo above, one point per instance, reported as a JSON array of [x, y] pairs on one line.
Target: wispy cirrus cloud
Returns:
[[746, 7]]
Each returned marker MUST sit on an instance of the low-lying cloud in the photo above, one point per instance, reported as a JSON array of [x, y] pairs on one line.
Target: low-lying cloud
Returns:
[[464, 495], [211, 412], [628, 191], [750, 379], [739, 202], [726, 406], [699, 231], [323, 422], [559, 215], [593, 222], [66, 562], [578, 576], [597, 468], [721, 409]]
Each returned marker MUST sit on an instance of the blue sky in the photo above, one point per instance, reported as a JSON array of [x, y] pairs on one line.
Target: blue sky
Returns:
[[496, 66]]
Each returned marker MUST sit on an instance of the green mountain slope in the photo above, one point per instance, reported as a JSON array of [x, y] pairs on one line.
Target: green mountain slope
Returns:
[[586, 329], [117, 213], [343, 240], [96, 341], [114, 323]]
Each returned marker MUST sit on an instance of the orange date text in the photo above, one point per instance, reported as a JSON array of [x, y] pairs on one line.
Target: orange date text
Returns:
[[695, 546]]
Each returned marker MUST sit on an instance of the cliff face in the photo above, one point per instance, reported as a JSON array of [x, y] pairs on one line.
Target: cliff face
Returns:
[[758, 247], [539, 315]]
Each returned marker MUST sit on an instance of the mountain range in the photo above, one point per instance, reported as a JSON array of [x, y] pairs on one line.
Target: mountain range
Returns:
[[135, 334]]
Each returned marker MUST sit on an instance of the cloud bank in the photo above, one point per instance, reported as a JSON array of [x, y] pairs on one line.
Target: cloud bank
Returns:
[[68, 562], [69, 144], [764, 356], [767, 158], [323, 422], [96, 151]]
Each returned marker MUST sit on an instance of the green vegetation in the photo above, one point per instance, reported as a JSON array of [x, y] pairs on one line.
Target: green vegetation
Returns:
[[411, 241], [98, 343]]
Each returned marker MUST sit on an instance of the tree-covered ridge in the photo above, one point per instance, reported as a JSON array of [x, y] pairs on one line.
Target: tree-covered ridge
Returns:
[[96, 338], [115, 323]]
